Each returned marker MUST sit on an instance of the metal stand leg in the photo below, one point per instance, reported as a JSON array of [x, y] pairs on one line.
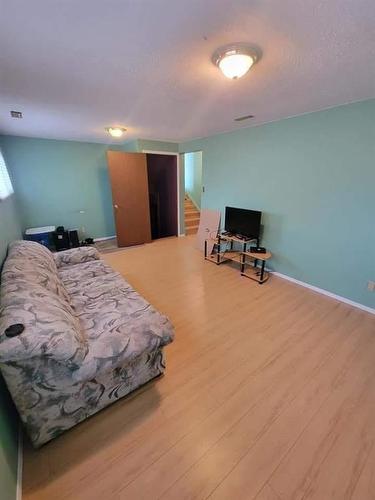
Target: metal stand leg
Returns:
[[243, 258], [262, 271], [218, 251]]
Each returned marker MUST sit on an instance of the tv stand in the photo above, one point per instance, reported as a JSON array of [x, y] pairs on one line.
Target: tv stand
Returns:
[[224, 251], [224, 235]]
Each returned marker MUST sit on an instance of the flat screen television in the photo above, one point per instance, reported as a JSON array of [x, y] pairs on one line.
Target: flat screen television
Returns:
[[243, 222]]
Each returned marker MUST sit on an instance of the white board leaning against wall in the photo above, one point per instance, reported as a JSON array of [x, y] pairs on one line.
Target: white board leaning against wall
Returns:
[[208, 227]]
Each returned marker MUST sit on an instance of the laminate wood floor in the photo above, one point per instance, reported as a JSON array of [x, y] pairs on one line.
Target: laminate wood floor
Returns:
[[269, 394]]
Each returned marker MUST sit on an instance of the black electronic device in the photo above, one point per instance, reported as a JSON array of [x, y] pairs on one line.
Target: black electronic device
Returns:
[[243, 222], [61, 239], [73, 238], [258, 250]]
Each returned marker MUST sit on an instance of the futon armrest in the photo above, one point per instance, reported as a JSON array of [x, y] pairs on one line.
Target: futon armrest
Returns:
[[76, 256], [123, 340]]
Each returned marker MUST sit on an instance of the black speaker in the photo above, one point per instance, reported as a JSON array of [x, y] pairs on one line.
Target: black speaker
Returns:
[[73, 238], [61, 239]]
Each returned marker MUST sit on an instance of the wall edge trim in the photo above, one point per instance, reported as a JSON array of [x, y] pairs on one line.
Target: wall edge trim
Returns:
[[104, 238], [325, 292]]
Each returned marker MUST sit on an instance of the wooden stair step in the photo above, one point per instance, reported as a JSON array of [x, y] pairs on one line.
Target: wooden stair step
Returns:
[[192, 215], [191, 230], [192, 222]]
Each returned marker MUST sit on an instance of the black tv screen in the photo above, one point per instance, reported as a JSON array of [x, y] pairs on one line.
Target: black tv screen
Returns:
[[242, 222]]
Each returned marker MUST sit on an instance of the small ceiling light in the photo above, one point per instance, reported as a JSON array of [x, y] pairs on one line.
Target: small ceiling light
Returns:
[[235, 60], [16, 114], [115, 131]]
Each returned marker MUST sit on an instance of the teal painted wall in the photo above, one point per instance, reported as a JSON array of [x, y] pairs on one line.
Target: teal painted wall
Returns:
[[10, 229], [193, 176], [130, 146], [10, 225], [313, 177], [55, 180], [139, 145], [146, 144]]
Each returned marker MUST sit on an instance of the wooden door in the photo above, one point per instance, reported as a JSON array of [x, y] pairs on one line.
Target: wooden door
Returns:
[[128, 175]]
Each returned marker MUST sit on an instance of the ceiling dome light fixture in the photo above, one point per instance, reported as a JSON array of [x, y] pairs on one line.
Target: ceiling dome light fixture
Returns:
[[235, 60], [115, 131]]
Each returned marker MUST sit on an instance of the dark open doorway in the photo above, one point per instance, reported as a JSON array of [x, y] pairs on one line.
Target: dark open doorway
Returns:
[[162, 186]]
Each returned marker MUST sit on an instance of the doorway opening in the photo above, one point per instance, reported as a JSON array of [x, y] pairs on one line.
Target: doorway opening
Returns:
[[193, 191], [145, 194], [162, 190]]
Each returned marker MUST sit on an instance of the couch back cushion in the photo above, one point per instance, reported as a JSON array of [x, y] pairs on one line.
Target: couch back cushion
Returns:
[[32, 295], [34, 274], [34, 263], [32, 252]]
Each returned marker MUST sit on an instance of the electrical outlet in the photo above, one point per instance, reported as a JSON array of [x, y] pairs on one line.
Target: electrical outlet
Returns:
[[371, 286]]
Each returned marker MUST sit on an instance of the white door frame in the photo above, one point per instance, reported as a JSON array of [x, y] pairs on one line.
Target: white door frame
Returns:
[[148, 151]]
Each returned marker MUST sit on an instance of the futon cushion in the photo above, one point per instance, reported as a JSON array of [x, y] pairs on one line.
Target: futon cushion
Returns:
[[76, 256], [119, 326], [85, 276], [50, 329], [33, 252], [17, 269], [117, 322], [33, 295]]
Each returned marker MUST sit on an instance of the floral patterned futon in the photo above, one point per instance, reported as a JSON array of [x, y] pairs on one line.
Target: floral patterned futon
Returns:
[[88, 337]]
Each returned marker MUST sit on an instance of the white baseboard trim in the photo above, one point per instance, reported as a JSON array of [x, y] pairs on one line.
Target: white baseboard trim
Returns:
[[105, 238], [19, 463], [325, 292]]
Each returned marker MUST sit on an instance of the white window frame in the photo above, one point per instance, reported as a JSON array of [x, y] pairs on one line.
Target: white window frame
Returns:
[[6, 188]]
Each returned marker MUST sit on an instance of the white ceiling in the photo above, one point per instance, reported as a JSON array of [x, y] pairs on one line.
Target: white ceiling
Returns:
[[75, 66]]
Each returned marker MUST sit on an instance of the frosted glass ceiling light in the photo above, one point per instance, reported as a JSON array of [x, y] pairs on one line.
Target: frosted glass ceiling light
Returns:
[[235, 60], [115, 131]]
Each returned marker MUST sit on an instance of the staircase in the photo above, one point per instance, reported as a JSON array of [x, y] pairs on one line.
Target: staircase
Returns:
[[192, 216]]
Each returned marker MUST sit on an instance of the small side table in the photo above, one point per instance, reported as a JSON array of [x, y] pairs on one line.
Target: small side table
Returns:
[[253, 272]]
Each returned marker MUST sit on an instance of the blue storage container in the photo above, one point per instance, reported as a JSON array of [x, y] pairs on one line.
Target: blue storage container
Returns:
[[42, 235]]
